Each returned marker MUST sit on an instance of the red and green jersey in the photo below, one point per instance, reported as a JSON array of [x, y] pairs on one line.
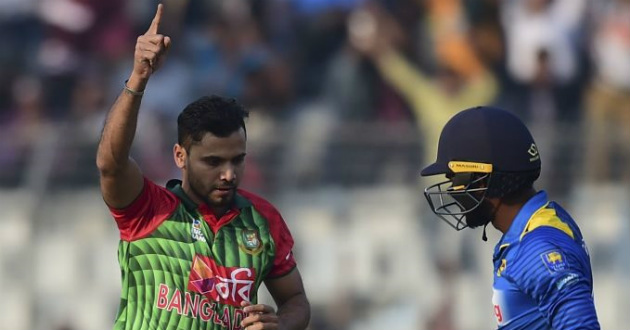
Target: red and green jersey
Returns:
[[184, 269]]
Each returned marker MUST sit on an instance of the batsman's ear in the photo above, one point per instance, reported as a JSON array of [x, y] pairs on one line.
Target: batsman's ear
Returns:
[[179, 155]]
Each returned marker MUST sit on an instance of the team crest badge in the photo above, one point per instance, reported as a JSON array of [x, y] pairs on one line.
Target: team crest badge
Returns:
[[251, 243], [554, 260]]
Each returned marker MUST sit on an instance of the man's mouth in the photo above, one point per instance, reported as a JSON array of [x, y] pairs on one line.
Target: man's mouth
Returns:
[[225, 188]]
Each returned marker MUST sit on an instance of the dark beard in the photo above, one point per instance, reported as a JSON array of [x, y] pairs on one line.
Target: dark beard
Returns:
[[197, 188], [481, 215]]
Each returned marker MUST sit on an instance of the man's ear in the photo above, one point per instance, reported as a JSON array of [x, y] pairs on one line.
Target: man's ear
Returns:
[[180, 155]]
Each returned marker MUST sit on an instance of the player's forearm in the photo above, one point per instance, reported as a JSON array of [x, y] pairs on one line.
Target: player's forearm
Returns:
[[120, 128], [295, 313], [407, 79]]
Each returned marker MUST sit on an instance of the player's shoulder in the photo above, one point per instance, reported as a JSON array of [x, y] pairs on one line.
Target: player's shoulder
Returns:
[[261, 204], [547, 237], [546, 259], [154, 194], [549, 222], [254, 198], [545, 250], [543, 240]]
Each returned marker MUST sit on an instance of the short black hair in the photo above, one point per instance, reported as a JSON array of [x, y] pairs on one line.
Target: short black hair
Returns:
[[214, 114]]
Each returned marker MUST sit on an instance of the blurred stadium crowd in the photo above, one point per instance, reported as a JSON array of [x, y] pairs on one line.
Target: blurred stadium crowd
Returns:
[[347, 100]]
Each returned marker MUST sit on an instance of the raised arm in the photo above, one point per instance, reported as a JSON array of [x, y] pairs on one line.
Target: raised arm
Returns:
[[120, 177]]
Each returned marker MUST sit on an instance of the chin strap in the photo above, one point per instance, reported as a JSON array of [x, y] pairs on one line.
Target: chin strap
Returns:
[[484, 237]]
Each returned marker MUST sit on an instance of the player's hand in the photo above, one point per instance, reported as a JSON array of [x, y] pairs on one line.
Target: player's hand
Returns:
[[372, 32], [259, 317], [363, 32], [151, 48]]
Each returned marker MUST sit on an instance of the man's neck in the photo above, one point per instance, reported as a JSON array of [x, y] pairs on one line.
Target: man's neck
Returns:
[[218, 212], [507, 212], [505, 216]]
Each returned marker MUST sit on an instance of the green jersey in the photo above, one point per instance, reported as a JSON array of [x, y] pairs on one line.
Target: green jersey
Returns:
[[183, 268]]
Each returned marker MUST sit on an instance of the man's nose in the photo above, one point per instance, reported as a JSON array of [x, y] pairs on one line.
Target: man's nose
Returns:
[[228, 174]]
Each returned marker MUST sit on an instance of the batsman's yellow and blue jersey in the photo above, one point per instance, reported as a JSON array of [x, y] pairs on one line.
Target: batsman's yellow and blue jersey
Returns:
[[542, 272]]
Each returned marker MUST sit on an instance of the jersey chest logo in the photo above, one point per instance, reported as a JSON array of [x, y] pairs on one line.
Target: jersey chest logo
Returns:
[[251, 243], [498, 300], [228, 285]]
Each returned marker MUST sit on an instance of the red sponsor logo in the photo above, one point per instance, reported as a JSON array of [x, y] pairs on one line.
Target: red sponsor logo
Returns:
[[227, 285], [498, 314]]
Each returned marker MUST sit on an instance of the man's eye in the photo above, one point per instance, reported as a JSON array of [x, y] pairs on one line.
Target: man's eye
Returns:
[[238, 160], [213, 162]]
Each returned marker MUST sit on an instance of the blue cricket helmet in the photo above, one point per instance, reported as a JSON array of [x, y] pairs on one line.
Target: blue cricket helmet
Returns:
[[484, 152]]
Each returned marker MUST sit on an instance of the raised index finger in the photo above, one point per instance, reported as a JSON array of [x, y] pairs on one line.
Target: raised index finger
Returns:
[[155, 24]]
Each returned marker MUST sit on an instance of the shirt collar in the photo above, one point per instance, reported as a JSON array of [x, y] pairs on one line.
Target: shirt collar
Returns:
[[520, 221], [175, 186]]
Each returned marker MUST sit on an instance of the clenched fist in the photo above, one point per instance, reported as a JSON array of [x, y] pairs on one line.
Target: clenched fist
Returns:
[[259, 317]]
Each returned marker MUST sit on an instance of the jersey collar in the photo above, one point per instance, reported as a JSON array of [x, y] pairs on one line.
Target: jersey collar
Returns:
[[520, 221], [175, 186]]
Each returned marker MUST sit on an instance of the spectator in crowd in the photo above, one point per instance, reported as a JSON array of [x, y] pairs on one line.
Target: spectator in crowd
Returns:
[[607, 102]]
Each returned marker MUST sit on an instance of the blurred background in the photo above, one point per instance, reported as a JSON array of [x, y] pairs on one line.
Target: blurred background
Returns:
[[347, 99]]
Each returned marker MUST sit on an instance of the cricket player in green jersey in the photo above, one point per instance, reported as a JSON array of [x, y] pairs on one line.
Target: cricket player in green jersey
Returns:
[[194, 253]]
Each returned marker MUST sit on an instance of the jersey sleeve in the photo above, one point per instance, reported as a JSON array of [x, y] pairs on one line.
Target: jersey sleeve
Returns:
[[154, 205], [283, 261], [555, 271]]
